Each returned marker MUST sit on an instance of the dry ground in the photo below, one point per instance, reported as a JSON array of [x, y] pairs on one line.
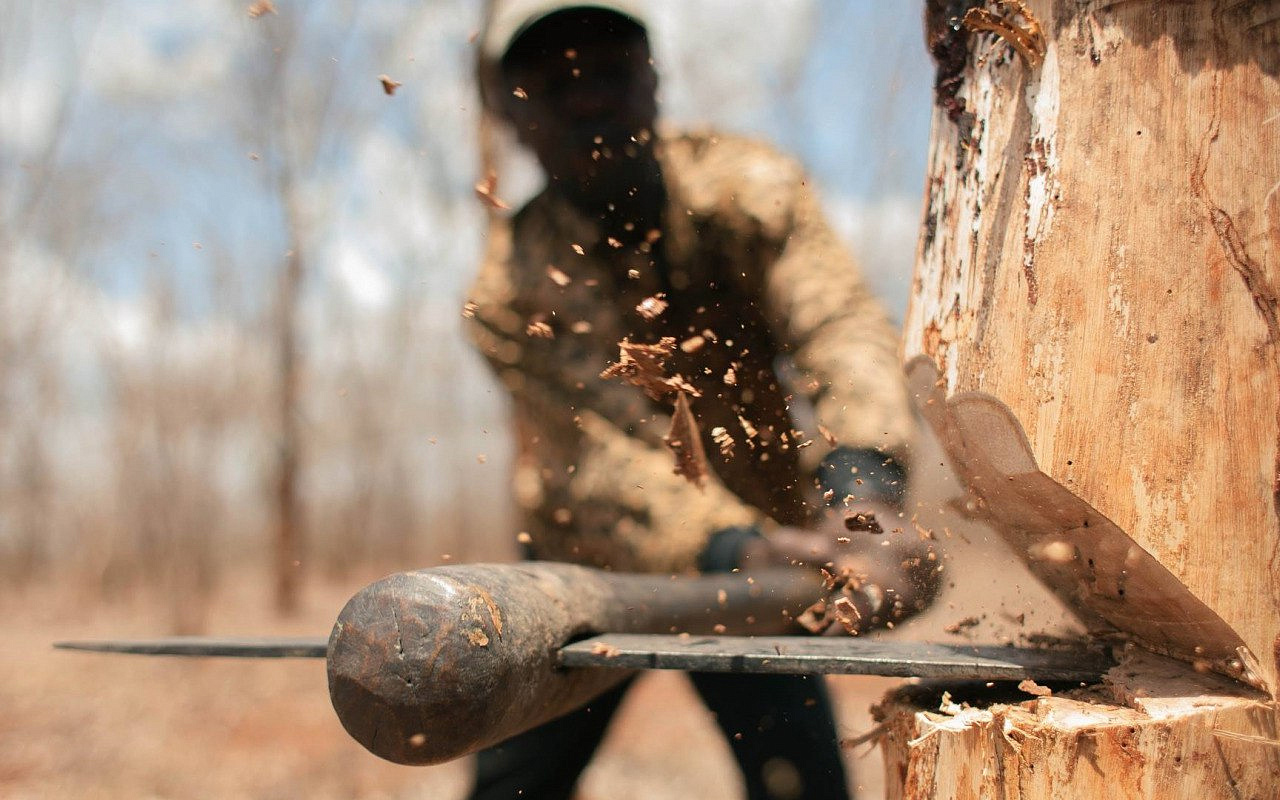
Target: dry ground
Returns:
[[78, 725], [97, 726]]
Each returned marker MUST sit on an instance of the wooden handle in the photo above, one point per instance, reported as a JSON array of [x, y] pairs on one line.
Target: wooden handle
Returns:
[[428, 666]]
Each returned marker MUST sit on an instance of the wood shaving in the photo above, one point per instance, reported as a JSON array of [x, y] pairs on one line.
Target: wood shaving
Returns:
[[389, 85], [652, 307], [685, 442], [261, 7], [557, 276], [469, 309], [477, 637], [486, 192], [520, 94], [577, 248], [962, 625], [747, 427], [730, 377], [828, 435], [612, 242]]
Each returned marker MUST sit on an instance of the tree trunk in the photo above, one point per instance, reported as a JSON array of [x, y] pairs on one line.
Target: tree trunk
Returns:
[[1095, 329]]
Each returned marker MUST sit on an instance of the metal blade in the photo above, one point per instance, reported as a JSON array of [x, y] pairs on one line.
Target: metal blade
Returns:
[[831, 655], [239, 647]]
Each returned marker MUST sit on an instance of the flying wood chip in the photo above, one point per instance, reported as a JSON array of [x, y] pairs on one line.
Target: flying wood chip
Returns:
[[686, 442], [645, 365], [388, 84], [486, 190]]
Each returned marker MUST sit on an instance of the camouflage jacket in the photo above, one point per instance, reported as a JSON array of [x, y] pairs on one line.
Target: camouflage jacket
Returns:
[[776, 331]]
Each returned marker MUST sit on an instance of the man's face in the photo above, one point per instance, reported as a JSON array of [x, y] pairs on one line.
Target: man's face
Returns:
[[586, 107]]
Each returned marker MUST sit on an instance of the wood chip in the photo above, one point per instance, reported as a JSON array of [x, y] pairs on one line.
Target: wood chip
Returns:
[[486, 192], [605, 649], [645, 365], [693, 344], [828, 435], [1031, 687], [685, 442], [557, 276], [477, 637], [261, 7], [846, 613], [651, 308], [962, 625], [389, 85], [723, 440], [539, 330], [863, 521]]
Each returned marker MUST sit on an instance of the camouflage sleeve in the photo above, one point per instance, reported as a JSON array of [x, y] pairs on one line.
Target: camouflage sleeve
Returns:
[[844, 348], [846, 353]]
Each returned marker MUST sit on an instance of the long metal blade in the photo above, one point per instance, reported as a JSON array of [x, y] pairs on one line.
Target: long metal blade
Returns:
[[793, 655], [803, 655], [239, 647]]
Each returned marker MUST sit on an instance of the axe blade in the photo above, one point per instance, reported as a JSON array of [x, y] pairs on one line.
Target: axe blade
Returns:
[[835, 655]]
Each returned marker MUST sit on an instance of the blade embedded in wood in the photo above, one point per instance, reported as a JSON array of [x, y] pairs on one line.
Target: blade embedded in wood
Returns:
[[800, 655], [204, 646]]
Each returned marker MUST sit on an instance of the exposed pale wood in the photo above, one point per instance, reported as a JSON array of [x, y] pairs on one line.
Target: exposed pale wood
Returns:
[[1153, 730], [1100, 255]]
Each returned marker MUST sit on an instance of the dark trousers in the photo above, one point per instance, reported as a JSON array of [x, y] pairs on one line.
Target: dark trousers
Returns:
[[780, 728]]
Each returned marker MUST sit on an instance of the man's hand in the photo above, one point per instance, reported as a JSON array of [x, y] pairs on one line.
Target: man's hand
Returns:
[[876, 576]]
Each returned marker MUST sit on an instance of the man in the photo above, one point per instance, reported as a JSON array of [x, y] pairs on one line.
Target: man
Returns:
[[707, 258]]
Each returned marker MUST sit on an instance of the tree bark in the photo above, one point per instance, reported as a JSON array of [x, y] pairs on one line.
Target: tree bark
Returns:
[[1096, 316]]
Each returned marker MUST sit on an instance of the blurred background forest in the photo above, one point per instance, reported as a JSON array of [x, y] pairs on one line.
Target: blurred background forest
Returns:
[[233, 384], [231, 266]]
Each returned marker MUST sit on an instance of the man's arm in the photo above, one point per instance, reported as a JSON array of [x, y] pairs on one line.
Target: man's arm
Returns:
[[845, 354]]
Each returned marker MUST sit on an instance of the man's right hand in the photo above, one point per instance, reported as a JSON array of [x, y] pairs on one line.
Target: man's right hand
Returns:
[[881, 578]]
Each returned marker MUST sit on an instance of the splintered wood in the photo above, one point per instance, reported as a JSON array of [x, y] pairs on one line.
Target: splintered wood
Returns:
[[1153, 729], [645, 366]]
